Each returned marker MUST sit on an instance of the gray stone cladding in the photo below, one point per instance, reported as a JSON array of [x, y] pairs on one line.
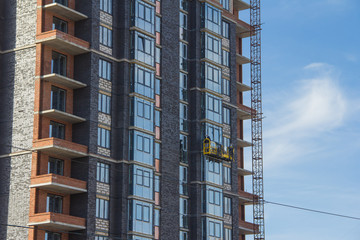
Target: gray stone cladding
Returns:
[[25, 22], [227, 219], [19, 196], [226, 129], [105, 84], [103, 188], [105, 49], [106, 18], [103, 151], [21, 139], [102, 225], [104, 119], [225, 43]]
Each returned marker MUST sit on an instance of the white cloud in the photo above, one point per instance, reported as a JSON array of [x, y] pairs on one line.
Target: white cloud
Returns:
[[314, 107]]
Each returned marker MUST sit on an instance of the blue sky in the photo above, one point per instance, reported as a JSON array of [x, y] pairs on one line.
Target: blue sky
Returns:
[[311, 105]]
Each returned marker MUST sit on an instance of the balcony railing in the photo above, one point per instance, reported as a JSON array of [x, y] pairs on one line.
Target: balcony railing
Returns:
[[57, 221], [58, 183], [63, 42]]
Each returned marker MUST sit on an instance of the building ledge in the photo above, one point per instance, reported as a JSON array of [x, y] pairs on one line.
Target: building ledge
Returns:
[[60, 147], [245, 197], [65, 11], [240, 5], [63, 41], [62, 80], [244, 172], [247, 228], [243, 112], [240, 59], [242, 143], [62, 116], [57, 221], [242, 87], [58, 183]]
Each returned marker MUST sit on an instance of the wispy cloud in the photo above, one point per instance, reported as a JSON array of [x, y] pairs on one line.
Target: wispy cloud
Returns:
[[315, 106]]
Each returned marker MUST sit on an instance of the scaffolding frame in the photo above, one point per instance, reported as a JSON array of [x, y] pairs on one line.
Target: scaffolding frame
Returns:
[[256, 120]]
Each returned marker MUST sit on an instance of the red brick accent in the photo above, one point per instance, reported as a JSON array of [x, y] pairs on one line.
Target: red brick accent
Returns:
[[57, 217], [53, 178], [61, 143], [64, 36]]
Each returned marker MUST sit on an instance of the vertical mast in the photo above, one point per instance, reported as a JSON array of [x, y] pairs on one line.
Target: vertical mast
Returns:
[[256, 120]]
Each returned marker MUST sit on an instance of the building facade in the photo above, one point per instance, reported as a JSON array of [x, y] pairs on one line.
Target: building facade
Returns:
[[104, 108]]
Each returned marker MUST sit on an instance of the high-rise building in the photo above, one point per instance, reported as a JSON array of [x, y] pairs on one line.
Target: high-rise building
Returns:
[[104, 109]]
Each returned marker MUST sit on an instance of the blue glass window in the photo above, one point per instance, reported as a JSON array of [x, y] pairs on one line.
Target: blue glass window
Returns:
[[105, 36], [102, 208], [141, 217], [183, 56], [183, 117], [183, 213], [141, 147], [212, 107], [226, 4], [214, 201], [142, 81], [211, 18], [142, 114], [104, 103], [227, 205], [225, 29], [183, 148], [211, 47], [212, 229], [226, 116], [183, 175], [143, 48], [211, 77], [183, 26], [103, 137], [104, 69], [141, 182], [144, 16], [212, 131], [106, 6], [225, 58], [227, 175], [102, 172], [212, 171], [183, 87]]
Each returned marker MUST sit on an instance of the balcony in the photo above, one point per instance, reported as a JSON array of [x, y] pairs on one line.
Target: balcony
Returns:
[[244, 112], [58, 183], [56, 146], [245, 197], [247, 228], [244, 172], [240, 5], [62, 80], [243, 29], [63, 42], [242, 143], [62, 116], [242, 87], [240, 59], [65, 12], [57, 221]]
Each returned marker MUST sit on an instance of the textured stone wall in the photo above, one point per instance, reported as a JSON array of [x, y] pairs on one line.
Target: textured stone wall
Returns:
[[18, 74]]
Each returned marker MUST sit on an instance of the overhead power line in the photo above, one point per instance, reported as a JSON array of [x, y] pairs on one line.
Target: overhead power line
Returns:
[[312, 210]]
